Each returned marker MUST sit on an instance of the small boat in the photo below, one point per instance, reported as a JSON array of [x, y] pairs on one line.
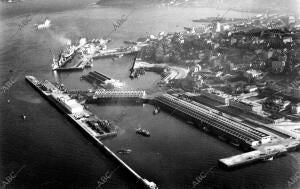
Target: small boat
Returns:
[[24, 116], [131, 76], [206, 129], [143, 132], [269, 159], [124, 151], [189, 122], [235, 143], [222, 137], [156, 110]]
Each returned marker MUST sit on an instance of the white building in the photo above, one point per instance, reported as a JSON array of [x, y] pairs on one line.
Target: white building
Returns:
[[73, 106], [218, 27], [292, 19], [216, 95], [252, 73], [251, 88], [69, 104], [296, 108], [287, 40]]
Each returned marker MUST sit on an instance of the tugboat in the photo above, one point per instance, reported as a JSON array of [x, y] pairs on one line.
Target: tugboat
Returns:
[[222, 138], [24, 116], [143, 132], [235, 143], [156, 110], [206, 129], [124, 151], [189, 122]]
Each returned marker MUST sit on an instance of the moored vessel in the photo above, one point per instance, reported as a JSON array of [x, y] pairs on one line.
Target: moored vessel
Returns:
[[156, 110], [23, 116], [143, 132], [124, 151], [64, 57]]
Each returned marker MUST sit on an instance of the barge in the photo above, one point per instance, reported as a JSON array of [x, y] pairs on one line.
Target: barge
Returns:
[[95, 77]]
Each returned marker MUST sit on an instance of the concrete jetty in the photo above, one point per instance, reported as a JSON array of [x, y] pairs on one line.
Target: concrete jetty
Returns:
[[71, 108], [237, 133]]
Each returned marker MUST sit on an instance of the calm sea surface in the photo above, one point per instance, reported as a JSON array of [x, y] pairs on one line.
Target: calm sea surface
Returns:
[[55, 154]]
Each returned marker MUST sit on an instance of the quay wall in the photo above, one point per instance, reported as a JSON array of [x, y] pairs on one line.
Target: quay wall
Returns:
[[204, 126], [144, 182]]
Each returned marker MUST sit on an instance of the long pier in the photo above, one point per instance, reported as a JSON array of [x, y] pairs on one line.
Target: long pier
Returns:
[[46, 89], [237, 133]]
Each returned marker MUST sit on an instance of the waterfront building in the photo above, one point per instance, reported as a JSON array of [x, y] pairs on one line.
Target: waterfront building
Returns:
[[71, 105], [295, 108], [291, 20], [275, 104], [195, 68], [251, 88], [252, 74], [296, 92], [245, 105], [216, 95]]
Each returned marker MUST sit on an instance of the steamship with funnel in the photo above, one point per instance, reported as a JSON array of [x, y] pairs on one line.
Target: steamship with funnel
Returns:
[[84, 47], [64, 57]]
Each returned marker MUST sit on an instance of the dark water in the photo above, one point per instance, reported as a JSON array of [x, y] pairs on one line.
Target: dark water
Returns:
[[54, 154]]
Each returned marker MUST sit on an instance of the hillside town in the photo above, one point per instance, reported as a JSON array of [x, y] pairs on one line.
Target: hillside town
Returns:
[[250, 64]]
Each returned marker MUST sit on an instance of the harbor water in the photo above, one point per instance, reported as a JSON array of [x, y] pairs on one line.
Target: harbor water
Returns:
[[53, 153]]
